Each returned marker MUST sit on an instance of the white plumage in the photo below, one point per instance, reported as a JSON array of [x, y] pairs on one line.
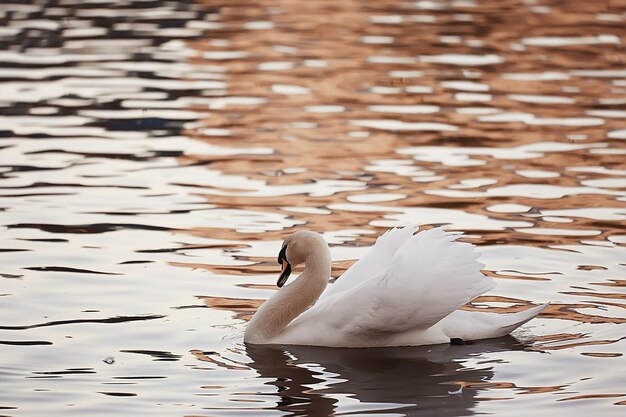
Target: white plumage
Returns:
[[405, 291]]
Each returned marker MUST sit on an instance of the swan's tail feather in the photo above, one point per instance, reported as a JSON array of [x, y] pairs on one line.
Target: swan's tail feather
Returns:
[[519, 318], [474, 325]]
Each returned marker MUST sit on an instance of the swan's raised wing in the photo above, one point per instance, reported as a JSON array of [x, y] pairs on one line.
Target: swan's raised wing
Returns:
[[375, 261], [430, 276]]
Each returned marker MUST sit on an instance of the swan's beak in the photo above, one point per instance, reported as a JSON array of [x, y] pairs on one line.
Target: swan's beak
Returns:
[[285, 271]]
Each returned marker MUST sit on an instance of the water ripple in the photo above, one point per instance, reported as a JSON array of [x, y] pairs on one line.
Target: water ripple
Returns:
[[154, 154]]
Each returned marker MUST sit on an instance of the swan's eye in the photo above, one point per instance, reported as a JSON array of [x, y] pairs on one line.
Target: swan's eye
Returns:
[[282, 256]]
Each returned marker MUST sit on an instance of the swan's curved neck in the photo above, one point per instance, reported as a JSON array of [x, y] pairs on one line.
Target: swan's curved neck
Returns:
[[290, 301]]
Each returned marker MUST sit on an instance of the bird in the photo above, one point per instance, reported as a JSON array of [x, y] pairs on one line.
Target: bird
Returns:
[[407, 290]]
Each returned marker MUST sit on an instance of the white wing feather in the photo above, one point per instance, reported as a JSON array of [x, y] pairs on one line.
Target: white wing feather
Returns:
[[375, 261], [430, 275]]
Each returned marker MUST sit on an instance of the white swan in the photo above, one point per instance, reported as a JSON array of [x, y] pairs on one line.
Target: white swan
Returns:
[[405, 291]]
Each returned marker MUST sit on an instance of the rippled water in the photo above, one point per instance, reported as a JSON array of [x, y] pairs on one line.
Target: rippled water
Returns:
[[153, 155]]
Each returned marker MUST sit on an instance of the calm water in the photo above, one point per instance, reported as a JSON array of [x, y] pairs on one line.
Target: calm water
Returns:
[[154, 154]]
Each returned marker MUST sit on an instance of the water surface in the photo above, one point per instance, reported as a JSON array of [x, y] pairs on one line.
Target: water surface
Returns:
[[154, 154]]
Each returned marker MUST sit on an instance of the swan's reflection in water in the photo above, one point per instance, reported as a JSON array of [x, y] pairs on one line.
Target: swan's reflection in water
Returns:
[[408, 381]]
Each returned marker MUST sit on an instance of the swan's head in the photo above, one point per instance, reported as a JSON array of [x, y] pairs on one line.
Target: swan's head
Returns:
[[296, 249]]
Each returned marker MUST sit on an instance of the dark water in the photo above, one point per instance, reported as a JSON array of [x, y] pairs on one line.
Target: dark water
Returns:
[[154, 154]]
